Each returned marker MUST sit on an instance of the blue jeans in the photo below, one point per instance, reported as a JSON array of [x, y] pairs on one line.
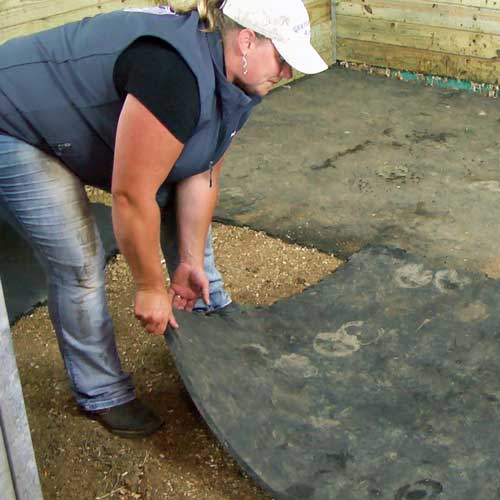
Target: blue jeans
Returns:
[[48, 205]]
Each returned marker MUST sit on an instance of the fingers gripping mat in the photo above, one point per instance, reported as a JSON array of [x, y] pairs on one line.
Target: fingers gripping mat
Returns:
[[382, 381]]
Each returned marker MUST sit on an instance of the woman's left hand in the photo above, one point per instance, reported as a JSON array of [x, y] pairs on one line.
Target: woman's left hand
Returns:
[[187, 285]]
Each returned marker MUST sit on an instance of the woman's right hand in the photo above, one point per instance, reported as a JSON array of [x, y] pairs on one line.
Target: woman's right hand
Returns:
[[153, 308], [142, 162]]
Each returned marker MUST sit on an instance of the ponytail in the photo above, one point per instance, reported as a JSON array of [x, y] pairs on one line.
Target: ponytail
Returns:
[[210, 13]]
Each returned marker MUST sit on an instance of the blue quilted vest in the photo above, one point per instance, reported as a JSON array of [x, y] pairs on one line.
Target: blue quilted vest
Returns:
[[57, 91]]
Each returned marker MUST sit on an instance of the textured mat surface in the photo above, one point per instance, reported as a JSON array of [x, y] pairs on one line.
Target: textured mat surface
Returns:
[[346, 159], [23, 278], [382, 381]]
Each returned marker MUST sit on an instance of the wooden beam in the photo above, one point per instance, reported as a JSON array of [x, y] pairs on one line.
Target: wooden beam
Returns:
[[483, 4], [424, 12], [319, 11], [418, 36], [17, 12], [421, 61], [26, 23]]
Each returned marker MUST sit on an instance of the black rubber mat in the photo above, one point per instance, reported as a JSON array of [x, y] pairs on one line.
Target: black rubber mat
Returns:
[[382, 381], [23, 278], [344, 159]]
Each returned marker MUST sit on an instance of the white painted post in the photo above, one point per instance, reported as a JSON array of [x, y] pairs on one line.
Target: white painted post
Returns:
[[18, 472]]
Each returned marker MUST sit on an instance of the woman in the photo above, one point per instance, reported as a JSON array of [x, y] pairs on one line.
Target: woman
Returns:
[[144, 103]]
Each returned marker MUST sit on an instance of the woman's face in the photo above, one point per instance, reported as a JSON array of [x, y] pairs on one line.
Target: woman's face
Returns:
[[265, 68]]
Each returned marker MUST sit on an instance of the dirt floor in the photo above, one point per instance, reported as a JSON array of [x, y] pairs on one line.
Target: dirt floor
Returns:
[[77, 459]]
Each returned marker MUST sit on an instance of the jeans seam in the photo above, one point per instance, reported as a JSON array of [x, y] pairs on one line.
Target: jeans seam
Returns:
[[66, 355]]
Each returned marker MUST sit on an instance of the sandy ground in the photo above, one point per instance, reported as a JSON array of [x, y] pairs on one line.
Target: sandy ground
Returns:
[[77, 459]]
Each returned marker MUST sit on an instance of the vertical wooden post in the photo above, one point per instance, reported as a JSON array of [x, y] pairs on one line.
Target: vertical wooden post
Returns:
[[18, 472], [333, 13]]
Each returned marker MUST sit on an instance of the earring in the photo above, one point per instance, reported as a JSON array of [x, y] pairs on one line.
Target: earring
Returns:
[[244, 61]]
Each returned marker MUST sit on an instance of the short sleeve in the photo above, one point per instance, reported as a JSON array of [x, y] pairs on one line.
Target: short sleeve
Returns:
[[155, 73]]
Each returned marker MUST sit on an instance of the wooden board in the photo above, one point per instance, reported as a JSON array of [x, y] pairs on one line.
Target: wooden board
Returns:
[[29, 17], [452, 38], [425, 13], [486, 4], [420, 61], [418, 36]]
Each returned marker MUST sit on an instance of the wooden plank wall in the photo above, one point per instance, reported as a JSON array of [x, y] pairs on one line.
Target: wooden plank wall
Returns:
[[453, 38], [20, 17], [321, 14]]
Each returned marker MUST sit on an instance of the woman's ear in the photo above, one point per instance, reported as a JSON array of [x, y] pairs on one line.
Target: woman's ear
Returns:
[[246, 40]]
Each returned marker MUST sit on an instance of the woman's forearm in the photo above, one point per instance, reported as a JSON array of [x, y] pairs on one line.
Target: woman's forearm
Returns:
[[145, 151], [137, 228], [196, 198]]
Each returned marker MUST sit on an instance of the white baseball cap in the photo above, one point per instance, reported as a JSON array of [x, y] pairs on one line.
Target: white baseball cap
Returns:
[[286, 23]]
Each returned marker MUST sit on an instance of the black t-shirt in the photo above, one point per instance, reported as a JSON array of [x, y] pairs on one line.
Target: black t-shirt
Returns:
[[154, 73]]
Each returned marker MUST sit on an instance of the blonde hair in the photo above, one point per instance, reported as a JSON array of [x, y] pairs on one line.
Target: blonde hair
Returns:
[[210, 12], [211, 15]]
